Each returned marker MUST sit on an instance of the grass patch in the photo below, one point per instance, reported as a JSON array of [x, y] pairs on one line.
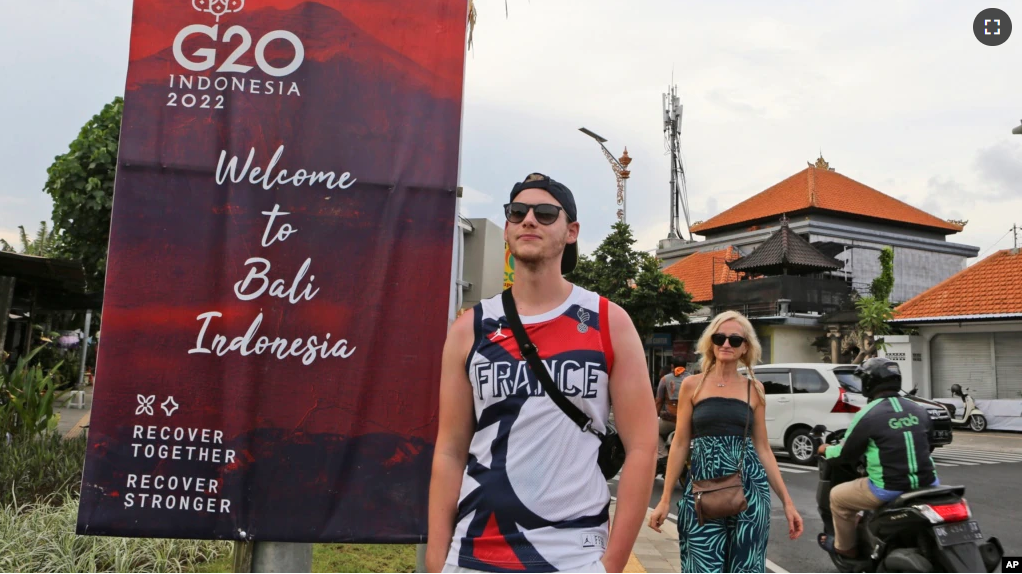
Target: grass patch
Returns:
[[363, 558], [33, 468], [41, 538], [39, 483], [343, 558]]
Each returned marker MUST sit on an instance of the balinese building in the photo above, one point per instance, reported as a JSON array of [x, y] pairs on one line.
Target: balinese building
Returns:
[[839, 221], [968, 330]]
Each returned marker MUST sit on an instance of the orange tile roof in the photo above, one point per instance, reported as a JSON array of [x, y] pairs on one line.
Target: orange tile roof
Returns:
[[697, 272], [992, 286], [826, 190]]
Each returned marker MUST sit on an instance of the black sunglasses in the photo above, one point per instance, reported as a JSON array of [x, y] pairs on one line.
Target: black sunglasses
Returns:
[[735, 340], [546, 213]]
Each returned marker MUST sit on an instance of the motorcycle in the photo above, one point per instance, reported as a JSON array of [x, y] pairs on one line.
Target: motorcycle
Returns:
[[925, 530], [971, 416]]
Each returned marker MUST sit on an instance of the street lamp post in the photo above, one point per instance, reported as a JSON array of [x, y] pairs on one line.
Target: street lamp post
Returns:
[[621, 173]]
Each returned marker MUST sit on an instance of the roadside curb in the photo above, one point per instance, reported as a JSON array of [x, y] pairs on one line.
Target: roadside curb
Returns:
[[79, 427], [633, 565]]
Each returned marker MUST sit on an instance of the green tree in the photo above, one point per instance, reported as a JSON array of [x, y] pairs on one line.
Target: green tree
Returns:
[[44, 244], [883, 285], [875, 310], [81, 183], [633, 280], [873, 317]]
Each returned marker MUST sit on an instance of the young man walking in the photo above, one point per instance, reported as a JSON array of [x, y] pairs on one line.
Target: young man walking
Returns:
[[516, 485]]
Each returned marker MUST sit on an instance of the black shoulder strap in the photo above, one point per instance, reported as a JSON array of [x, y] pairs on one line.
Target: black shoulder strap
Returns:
[[531, 354]]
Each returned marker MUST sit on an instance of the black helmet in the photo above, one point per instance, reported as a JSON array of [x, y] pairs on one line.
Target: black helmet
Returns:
[[878, 375], [956, 389]]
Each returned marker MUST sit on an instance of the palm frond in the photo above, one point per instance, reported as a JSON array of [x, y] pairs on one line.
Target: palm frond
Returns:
[[43, 245], [25, 242], [40, 243]]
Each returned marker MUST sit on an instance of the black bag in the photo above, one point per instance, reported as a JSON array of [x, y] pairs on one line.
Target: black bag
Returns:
[[612, 450]]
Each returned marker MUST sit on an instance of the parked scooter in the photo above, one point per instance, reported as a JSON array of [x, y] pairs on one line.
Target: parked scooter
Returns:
[[925, 530], [970, 416]]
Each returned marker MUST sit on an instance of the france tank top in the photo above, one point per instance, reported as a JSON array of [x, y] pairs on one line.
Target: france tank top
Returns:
[[533, 498]]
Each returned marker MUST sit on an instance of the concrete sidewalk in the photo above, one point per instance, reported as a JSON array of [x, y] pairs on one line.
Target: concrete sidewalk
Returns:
[[73, 421], [653, 551]]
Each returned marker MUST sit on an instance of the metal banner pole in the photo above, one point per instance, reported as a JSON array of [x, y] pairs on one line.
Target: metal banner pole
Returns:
[[85, 348], [281, 557]]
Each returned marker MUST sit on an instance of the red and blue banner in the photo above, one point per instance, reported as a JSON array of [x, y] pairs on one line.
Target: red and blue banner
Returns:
[[279, 271]]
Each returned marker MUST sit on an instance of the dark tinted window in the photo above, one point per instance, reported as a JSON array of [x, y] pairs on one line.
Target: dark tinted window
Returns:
[[849, 381], [775, 383], [807, 381]]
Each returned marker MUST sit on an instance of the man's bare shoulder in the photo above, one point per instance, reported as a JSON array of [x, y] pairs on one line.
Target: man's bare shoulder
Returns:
[[462, 332], [618, 316]]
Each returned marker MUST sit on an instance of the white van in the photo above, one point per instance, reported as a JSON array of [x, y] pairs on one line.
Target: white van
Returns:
[[800, 396]]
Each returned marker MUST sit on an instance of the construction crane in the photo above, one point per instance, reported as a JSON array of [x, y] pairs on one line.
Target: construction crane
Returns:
[[620, 167], [672, 134]]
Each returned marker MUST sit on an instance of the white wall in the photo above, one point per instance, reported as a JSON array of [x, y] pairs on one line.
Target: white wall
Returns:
[[907, 351], [793, 344], [484, 261]]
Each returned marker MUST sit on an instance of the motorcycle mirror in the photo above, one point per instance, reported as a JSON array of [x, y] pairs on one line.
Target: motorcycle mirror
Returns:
[[914, 391]]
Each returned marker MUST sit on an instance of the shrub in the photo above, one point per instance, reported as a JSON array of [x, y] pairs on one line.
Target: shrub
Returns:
[[41, 538], [33, 468], [27, 394]]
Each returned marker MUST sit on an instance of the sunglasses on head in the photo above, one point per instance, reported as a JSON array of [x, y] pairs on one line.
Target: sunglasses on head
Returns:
[[546, 213], [719, 338]]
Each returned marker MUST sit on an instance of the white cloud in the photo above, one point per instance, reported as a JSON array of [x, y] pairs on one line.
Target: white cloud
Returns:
[[475, 203], [1000, 166], [11, 236], [909, 103]]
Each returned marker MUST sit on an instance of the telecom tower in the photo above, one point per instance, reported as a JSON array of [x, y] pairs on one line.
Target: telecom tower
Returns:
[[679, 192]]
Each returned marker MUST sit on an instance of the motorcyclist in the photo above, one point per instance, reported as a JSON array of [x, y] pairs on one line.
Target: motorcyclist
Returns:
[[893, 433]]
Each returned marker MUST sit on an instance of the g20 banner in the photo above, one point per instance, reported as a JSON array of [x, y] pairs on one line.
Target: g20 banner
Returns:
[[268, 371]]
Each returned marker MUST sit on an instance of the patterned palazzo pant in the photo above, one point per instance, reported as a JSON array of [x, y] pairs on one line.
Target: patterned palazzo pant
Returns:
[[737, 543]]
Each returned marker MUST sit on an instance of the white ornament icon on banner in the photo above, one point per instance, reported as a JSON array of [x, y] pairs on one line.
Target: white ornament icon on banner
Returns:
[[145, 405], [218, 7], [169, 406]]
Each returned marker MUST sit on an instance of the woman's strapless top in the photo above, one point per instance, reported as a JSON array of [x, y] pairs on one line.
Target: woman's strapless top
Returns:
[[720, 416]]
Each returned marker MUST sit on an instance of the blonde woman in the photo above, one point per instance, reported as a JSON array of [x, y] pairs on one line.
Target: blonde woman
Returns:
[[713, 410]]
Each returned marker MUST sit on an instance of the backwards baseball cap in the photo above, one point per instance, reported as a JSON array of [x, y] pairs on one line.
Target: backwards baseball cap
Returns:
[[563, 196]]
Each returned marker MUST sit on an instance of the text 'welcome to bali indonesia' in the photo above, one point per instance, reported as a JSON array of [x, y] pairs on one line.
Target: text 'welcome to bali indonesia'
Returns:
[[258, 282]]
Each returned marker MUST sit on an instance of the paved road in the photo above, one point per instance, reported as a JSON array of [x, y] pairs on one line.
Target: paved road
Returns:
[[989, 466]]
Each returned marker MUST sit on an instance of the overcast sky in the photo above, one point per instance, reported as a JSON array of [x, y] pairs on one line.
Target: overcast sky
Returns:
[[898, 94]]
